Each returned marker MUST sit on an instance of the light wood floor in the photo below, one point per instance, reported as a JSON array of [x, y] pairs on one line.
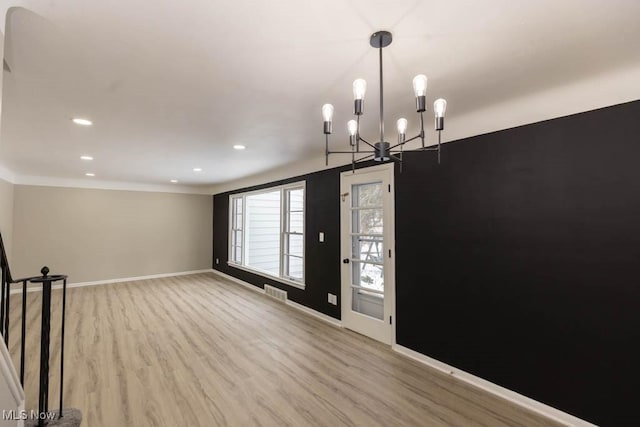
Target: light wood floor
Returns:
[[200, 351]]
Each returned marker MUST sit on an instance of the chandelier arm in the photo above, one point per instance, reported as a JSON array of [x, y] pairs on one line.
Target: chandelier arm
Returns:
[[364, 158], [349, 152], [400, 144], [365, 141]]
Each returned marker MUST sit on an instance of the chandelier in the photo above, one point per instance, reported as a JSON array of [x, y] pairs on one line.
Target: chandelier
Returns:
[[383, 151]]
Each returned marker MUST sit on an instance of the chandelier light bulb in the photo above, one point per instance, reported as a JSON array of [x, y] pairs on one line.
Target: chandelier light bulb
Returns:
[[440, 106], [327, 115], [402, 126], [420, 85], [402, 129], [352, 127], [327, 112], [359, 88]]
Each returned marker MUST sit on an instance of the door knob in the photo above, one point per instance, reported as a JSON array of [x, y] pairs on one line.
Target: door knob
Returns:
[[345, 261]]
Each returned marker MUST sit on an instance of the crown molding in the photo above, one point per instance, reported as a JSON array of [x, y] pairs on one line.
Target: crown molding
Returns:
[[8, 175], [106, 185]]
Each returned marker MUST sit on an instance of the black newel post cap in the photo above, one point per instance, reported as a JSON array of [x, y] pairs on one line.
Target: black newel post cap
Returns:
[[44, 271]]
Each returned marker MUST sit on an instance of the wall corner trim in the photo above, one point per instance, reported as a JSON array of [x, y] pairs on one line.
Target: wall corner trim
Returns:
[[311, 312], [499, 391]]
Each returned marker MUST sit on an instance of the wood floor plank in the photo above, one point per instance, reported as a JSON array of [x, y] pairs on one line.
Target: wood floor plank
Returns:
[[201, 351]]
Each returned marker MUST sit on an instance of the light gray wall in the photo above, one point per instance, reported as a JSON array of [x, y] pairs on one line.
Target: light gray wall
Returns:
[[92, 234], [6, 216]]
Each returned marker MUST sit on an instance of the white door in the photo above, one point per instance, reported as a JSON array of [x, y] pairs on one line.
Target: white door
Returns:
[[367, 242]]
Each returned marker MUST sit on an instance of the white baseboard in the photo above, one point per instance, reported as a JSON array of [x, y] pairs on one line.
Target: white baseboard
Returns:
[[109, 281], [303, 308], [489, 387], [331, 320], [239, 282]]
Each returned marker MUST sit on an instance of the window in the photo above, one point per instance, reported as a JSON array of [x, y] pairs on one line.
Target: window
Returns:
[[266, 232]]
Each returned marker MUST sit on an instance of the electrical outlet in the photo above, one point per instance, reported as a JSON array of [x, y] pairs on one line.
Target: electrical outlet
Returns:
[[217, 260], [330, 298], [333, 299], [321, 237]]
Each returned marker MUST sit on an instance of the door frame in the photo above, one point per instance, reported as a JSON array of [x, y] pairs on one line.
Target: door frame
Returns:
[[389, 243]]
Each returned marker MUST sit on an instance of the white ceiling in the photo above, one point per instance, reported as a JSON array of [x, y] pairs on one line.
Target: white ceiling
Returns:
[[174, 85]]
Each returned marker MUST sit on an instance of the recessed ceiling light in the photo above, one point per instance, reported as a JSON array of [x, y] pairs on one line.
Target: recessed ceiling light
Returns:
[[239, 147], [174, 181], [90, 174], [197, 169], [82, 122], [86, 158]]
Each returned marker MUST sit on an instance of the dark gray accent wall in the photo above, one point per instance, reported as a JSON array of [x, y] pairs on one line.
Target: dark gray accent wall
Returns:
[[517, 258]]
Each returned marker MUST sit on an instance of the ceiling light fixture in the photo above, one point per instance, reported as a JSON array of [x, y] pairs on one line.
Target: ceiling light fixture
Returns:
[[382, 151], [239, 147], [86, 158], [174, 181], [197, 169], [90, 174], [82, 122]]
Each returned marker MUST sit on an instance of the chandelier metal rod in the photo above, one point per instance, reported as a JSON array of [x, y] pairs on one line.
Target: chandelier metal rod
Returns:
[[364, 158], [400, 144], [422, 129], [326, 149], [349, 152], [358, 134], [365, 141], [381, 93]]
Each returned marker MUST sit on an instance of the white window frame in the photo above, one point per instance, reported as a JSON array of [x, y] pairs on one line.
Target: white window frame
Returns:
[[297, 283], [232, 252]]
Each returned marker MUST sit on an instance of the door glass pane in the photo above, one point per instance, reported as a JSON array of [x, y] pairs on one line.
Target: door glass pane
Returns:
[[367, 247], [367, 195], [368, 303], [367, 221], [368, 275]]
